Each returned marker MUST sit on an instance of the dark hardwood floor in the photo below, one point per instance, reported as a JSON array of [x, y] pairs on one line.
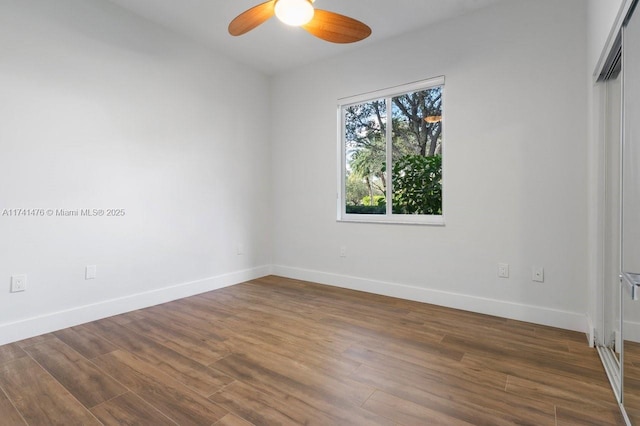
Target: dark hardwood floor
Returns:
[[278, 351]]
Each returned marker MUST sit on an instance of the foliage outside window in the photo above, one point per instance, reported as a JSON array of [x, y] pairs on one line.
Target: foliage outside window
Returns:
[[403, 127]]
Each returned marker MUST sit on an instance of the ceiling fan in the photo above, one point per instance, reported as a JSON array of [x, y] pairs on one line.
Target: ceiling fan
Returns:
[[323, 24]]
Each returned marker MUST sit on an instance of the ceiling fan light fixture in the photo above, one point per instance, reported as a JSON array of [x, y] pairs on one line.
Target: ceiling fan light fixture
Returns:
[[294, 12], [433, 119]]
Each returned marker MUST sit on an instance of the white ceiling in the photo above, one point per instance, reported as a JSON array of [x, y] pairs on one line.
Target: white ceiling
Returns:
[[273, 46]]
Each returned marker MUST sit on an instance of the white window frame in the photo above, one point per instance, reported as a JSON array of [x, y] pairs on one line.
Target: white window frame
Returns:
[[388, 217]]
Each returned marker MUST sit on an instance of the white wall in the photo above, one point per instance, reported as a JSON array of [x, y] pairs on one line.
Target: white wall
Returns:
[[101, 109], [515, 166], [105, 110]]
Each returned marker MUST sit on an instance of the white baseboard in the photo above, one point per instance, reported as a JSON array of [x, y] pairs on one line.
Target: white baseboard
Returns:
[[29, 327], [591, 332], [534, 314], [631, 331], [34, 326]]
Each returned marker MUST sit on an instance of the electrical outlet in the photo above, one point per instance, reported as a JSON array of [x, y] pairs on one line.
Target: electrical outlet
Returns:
[[537, 274], [343, 251], [239, 249], [90, 272], [18, 283], [503, 270]]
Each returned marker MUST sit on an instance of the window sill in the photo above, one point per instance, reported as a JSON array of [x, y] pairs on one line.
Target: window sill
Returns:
[[394, 220]]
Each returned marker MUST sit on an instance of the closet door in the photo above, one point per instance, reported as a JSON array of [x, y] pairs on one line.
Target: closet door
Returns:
[[630, 229], [611, 327]]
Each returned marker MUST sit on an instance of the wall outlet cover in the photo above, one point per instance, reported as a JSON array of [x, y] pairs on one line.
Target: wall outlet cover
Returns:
[[537, 274], [18, 283], [91, 272], [503, 270]]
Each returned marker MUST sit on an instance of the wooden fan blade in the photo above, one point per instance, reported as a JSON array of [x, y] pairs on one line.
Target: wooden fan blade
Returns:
[[336, 28], [249, 19]]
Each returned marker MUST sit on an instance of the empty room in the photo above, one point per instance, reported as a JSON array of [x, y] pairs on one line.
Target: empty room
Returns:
[[238, 212]]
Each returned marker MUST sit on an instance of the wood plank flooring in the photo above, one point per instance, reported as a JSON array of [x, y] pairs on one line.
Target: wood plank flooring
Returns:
[[632, 380], [276, 351]]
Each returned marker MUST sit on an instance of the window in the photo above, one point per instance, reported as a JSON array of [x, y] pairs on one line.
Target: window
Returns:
[[411, 145]]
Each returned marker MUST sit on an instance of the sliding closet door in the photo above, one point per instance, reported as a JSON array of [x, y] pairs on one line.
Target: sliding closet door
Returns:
[[630, 230], [610, 333]]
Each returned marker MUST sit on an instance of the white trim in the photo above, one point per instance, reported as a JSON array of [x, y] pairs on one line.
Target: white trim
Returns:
[[396, 219], [535, 314], [631, 331], [388, 159], [392, 91], [591, 332], [613, 34], [46, 323], [342, 160], [625, 416], [612, 368], [389, 217], [35, 326]]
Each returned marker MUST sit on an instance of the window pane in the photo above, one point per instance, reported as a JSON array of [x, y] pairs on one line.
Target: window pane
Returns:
[[417, 152], [365, 150]]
